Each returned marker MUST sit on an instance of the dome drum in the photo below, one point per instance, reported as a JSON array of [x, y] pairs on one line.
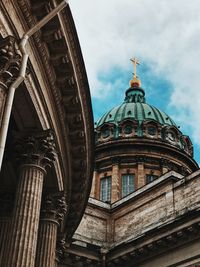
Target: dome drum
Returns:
[[150, 129], [134, 148]]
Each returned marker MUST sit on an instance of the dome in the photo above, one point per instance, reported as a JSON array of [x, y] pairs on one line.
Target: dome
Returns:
[[134, 108], [134, 118], [135, 111]]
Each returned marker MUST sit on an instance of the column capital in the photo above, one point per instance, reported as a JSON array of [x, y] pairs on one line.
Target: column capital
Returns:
[[10, 60], [37, 148], [54, 207]]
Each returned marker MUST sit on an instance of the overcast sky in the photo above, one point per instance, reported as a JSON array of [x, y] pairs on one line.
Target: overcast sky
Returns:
[[163, 34]]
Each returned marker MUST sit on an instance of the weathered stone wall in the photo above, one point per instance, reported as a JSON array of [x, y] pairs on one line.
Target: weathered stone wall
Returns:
[[151, 206], [94, 226], [167, 199]]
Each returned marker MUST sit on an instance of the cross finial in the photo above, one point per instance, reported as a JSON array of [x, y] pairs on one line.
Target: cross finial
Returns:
[[135, 62]]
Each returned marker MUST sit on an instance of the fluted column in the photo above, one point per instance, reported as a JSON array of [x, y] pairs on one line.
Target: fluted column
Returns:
[[6, 207], [34, 153], [47, 244], [52, 214]]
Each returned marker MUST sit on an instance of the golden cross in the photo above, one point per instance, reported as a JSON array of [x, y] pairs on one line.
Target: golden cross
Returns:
[[135, 63]]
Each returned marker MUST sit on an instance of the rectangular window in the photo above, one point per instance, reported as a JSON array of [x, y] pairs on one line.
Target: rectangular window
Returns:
[[105, 193], [127, 184], [150, 178]]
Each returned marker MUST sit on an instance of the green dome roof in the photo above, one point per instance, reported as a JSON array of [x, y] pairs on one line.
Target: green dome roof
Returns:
[[135, 111], [135, 108], [136, 119]]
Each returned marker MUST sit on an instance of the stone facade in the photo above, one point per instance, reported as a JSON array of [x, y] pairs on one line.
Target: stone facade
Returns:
[[160, 216]]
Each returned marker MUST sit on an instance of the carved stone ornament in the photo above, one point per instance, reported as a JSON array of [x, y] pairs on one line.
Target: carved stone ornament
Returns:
[[37, 148], [60, 248], [54, 207], [10, 60]]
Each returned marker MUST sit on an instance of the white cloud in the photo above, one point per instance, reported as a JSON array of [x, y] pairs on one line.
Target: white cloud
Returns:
[[165, 34]]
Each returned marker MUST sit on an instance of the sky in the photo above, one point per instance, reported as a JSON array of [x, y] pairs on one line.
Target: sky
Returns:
[[164, 35]]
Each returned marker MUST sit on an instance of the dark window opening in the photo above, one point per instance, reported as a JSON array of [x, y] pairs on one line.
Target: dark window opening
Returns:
[[150, 178], [105, 189], [127, 184]]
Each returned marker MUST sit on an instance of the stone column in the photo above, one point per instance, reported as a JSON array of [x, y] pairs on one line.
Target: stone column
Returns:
[[35, 153], [52, 214], [9, 68], [6, 207], [115, 180]]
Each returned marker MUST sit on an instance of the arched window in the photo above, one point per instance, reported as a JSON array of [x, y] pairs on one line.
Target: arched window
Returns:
[[171, 136], [127, 184], [128, 129], [105, 132], [151, 130]]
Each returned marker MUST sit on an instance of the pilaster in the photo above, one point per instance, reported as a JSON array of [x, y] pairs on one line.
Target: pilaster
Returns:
[[141, 174], [115, 181], [95, 186]]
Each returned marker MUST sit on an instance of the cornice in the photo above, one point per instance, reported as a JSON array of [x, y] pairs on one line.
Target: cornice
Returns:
[[156, 241]]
